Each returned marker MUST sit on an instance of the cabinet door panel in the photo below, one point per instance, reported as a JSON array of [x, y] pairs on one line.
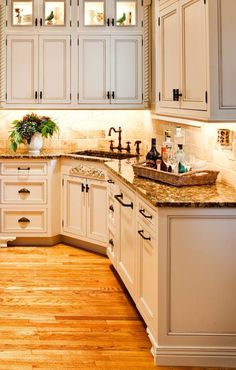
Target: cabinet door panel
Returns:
[[97, 211], [126, 73], [54, 69], [147, 276], [169, 55], [94, 69], [22, 69], [193, 55], [126, 258], [74, 207]]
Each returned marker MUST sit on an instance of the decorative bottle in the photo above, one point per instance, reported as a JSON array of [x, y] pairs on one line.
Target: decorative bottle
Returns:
[[152, 155]]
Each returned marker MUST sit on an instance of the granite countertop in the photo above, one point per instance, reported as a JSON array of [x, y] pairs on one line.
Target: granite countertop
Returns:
[[46, 154], [158, 194], [162, 195]]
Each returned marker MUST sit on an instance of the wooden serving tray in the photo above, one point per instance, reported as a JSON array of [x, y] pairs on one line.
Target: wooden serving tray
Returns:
[[197, 177]]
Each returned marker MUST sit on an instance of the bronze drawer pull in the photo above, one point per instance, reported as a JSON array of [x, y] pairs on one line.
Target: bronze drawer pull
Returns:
[[23, 219], [23, 191], [142, 211], [111, 208], [144, 237], [23, 169], [111, 242], [120, 197]]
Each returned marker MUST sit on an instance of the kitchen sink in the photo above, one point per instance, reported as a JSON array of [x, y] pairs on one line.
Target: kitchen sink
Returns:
[[105, 154]]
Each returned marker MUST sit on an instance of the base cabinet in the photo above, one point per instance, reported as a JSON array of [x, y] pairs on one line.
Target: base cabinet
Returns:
[[84, 208], [183, 277], [29, 207]]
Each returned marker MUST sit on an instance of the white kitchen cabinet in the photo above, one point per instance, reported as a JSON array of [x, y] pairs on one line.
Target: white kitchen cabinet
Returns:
[[38, 15], [110, 16], [38, 69], [126, 237], [195, 62], [29, 203], [115, 75], [22, 69], [183, 59], [84, 208]]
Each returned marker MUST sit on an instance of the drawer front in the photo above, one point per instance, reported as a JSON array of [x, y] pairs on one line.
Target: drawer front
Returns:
[[23, 192], [147, 215], [24, 222], [24, 169]]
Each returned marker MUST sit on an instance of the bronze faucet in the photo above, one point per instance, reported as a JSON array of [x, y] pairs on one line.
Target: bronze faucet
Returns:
[[119, 147]]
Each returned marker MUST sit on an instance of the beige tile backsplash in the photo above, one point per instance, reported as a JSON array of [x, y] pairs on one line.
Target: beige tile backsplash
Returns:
[[89, 129]]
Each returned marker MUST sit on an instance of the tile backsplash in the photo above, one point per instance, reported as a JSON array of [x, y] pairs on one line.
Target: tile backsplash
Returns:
[[89, 129]]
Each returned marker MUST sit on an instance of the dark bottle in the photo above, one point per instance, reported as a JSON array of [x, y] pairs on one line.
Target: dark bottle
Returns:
[[163, 165], [152, 155]]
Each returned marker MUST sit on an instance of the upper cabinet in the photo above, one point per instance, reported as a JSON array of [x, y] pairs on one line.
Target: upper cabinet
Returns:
[[71, 54], [115, 75], [195, 61], [110, 16], [38, 15]]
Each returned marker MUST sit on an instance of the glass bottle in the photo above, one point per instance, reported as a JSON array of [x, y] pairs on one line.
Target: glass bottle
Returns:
[[163, 165], [152, 155], [180, 155]]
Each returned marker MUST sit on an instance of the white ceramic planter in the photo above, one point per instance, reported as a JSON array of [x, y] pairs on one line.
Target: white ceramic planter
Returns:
[[36, 144]]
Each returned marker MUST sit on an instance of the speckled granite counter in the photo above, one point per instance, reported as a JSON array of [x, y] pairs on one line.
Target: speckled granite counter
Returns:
[[161, 195], [46, 154]]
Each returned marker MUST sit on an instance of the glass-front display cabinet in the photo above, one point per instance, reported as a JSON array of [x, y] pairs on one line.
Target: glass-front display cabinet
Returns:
[[38, 14], [110, 15]]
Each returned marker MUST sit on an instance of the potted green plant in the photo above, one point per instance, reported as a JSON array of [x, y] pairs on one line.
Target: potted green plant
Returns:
[[30, 130]]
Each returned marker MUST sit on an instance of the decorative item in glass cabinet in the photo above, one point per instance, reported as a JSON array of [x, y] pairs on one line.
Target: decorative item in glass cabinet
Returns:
[[22, 13], [30, 130], [54, 13], [126, 13], [94, 13]]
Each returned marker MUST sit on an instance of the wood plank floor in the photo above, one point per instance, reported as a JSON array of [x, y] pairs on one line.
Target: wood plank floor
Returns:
[[63, 308]]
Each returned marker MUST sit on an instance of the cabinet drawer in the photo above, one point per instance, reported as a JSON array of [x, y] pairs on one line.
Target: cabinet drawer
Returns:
[[24, 169], [147, 215], [23, 192], [24, 222]]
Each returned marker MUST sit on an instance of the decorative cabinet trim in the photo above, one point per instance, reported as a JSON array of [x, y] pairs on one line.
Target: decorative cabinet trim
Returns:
[[2, 53], [147, 51], [88, 171]]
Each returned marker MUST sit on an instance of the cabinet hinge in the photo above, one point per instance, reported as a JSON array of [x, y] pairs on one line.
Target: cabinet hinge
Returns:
[[78, 2], [142, 24], [204, 1], [6, 23], [6, 96], [159, 96], [77, 23], [6, 3], [206, 97], [6, 41], [78, 96], [62, 182], [62, 223], [70, 96], [159, 21], [70, 2], [142, 3], [70, 23]]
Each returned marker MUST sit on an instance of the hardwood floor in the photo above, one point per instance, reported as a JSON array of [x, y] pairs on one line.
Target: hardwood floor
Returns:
[[63, 308]]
